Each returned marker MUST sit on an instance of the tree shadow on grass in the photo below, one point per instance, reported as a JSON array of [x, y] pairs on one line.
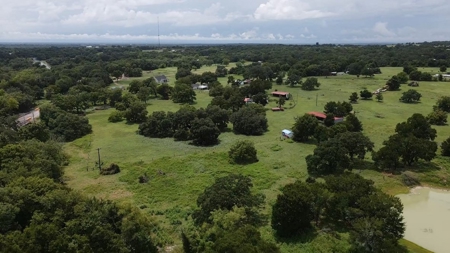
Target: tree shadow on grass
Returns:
[[306, 237]]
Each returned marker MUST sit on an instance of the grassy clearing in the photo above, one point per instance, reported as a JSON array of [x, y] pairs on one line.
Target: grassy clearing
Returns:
[[188, 169]]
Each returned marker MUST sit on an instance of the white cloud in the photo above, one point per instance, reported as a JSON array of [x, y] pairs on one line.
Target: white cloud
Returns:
[[288, 10], [381, 28]]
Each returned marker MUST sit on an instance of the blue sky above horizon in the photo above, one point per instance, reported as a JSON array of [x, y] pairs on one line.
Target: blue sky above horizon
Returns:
[[236, 21]]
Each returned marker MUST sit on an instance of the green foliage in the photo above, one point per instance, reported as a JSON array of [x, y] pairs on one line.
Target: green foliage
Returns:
[[415, 75], [224, 194], [353, 124], [413, 141], [443, 104], [221, 71], [411, 96], [329, 120], [261, 98], [356, 144], [365, 94], [329, 157], [379, 97], [425, 76], [31, 158], [66, 125], [143, 94], [116, 116], [243, 152], [339, 109], [304, 127], [136, 113], [322, 133], [204, 132], [52, 217], [443, 68], [164, 90], [408, 69], [183, 93], [403, 77], [353, 97], [182, 72], [437, 117], [445, 147], [135, 86], [219, 116], [38, 131], [394, 83], [229, 231], [310, 84], [292, 212], [249, 121], [158, 125]]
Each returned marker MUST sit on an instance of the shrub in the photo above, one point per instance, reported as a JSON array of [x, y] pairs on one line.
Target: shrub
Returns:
[[243, 152], [111, 170], [445, 147], [115, 116], [410, 96], [437, 117]]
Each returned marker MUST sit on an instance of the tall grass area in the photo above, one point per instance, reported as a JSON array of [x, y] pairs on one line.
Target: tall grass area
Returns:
[[178, 171]]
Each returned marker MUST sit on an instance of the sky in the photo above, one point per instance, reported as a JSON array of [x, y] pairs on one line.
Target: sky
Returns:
[[224, 21]]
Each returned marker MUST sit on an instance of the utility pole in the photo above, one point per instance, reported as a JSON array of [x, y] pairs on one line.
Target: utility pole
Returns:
[[317, 97], [99, 163]]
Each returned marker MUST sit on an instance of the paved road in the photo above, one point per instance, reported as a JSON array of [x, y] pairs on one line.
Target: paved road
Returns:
[[29, 117]]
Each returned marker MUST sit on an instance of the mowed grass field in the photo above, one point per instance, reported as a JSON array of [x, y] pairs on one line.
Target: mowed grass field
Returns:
[[179, 172]]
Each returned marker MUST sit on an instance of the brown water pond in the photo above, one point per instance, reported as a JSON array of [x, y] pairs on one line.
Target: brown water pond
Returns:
[[426, 212]]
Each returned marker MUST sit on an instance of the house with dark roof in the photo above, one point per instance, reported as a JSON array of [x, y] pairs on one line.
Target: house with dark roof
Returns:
[[161, 79]]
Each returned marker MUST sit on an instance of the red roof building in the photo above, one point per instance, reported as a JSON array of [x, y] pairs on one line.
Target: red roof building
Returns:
[[321, 116]]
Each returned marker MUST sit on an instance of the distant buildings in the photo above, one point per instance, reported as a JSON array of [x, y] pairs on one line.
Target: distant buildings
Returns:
[[161, 79]]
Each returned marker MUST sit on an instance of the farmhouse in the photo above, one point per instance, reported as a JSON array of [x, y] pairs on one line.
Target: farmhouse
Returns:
[[286, 95], [321, 116], [161, 79]]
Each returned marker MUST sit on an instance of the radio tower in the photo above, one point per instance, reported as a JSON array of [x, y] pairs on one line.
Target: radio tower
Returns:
[[159, 42]]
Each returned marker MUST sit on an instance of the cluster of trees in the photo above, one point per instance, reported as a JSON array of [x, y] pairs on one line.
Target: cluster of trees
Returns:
[[227, 219], [365, 95], [307, 127], [413, 141], [440, 112], [348, 201], [229, 215], [243, 152], [202, 126]]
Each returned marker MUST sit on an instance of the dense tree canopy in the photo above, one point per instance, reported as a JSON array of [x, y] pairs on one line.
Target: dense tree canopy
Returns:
[[249, 121]]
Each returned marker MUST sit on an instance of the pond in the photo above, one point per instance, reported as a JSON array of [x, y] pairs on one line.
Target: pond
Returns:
[[426, 213]]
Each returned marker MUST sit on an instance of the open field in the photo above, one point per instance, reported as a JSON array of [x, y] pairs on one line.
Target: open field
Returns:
[[189, 169]]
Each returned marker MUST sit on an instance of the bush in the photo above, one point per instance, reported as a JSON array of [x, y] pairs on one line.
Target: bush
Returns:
[[443, 104], [365, 94], [243, 152], [115, 116], [437, 117], [111, 170], [410, 96], [445, 147]]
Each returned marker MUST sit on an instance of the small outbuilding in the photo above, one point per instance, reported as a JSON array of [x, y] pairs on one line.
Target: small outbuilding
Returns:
[[287, 133], [286, 95]]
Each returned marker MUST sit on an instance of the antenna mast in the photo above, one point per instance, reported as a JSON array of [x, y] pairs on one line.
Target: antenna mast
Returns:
[[159, 42]]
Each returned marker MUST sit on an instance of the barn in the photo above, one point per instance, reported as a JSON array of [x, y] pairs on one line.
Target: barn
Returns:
[[286, 95]]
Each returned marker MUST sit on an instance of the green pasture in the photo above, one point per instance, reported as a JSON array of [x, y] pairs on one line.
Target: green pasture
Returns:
[[178, 171]]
